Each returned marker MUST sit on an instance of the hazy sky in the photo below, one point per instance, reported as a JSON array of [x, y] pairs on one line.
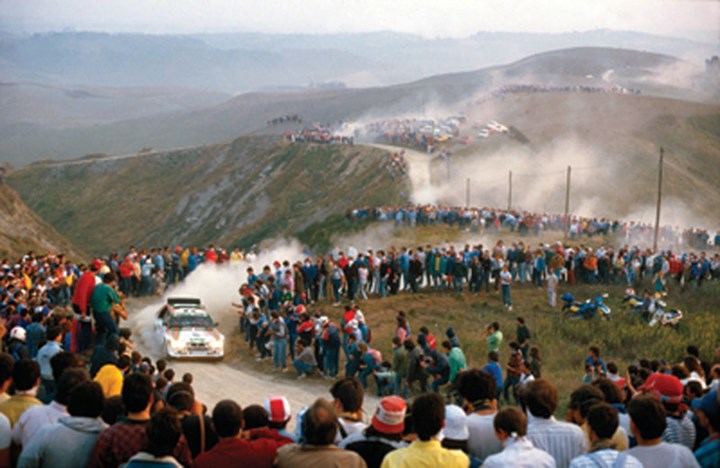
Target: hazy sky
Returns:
[[426, 17]]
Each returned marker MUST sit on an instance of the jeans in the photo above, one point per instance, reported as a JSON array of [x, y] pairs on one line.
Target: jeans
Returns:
[[522, 272], [332, 358], [302, 368], [506, 295], [336, 289], [435, 385], [279, 353], [400, 387], [105, 326]]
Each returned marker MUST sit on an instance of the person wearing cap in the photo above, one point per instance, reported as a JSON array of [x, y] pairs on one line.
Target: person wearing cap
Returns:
[[383, 435], [279, 415], [510, 425], [104, 298], [647, 423], [455, 434], [603, 421], [668, 388], [707, 409], [428, 412]]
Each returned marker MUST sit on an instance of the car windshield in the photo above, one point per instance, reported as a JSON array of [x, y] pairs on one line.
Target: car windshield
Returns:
[[190, 320]]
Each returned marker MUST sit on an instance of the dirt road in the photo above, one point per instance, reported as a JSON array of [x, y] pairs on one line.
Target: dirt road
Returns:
[[215, 381]]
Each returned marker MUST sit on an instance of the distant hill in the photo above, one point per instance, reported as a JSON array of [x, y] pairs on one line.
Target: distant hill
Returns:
[[21, 230], [248, 113], [235, 63], [33, 104], [242, 192]]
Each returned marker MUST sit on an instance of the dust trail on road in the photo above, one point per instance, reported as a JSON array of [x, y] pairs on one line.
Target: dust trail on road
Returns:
[[419, 173], [215, 381]]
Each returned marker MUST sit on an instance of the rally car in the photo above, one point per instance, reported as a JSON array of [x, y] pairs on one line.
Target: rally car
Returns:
[[188, 331]]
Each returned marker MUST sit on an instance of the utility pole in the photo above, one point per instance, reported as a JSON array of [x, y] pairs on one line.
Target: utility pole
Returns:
[[567, 203], [467, 192], [509, 190], [659, 200]]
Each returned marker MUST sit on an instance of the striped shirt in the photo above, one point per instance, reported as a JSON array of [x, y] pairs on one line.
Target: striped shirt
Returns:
[[680, 431], [562, 440], [606, 458]]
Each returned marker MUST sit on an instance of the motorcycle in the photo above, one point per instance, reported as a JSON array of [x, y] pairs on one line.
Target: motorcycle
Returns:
[[585, 310], [657, 313], [636, 303]]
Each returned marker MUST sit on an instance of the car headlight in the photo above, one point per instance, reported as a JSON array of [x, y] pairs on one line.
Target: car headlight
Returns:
[[218, 344], [176, 345]]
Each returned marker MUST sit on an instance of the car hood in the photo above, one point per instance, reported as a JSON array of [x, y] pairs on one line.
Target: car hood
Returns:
[[194, 334]]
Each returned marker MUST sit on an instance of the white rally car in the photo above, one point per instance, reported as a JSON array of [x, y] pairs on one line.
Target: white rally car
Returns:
[[188, 331]]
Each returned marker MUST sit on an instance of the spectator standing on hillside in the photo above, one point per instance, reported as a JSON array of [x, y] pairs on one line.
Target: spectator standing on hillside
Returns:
[[552, 288], [493, 336], [82, 324], [45, 354], [104, 298], [26, 379], [522, 337], [505, 281]]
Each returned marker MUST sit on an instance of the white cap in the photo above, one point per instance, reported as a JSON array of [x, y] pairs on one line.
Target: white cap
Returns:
[[455, 424]]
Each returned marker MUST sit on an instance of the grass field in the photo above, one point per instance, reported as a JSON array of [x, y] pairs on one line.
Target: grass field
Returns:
[[624, 339]]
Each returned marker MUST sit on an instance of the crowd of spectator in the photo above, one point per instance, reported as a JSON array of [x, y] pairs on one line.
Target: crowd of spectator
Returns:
[[283, 119]]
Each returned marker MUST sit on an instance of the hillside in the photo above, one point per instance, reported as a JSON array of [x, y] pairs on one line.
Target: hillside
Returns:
[[248, 113], [236, 193], [22, 230], [611, 141]]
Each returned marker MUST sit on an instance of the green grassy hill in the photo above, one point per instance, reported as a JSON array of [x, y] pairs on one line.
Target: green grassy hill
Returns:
[[21, 230], [242, 192]]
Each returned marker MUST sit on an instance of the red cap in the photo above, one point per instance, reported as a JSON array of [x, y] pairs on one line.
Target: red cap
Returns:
[[96, 264], [665, 386], [389, 417], [278, 408]]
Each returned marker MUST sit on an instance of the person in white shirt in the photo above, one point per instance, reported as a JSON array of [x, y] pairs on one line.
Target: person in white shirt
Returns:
[[603, 421], [478, 388], [647, 423], [563, 440], [510, 426], [33, 419]]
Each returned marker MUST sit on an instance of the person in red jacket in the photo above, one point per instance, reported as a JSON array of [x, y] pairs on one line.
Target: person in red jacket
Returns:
[[82, 323], [256, 448]]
